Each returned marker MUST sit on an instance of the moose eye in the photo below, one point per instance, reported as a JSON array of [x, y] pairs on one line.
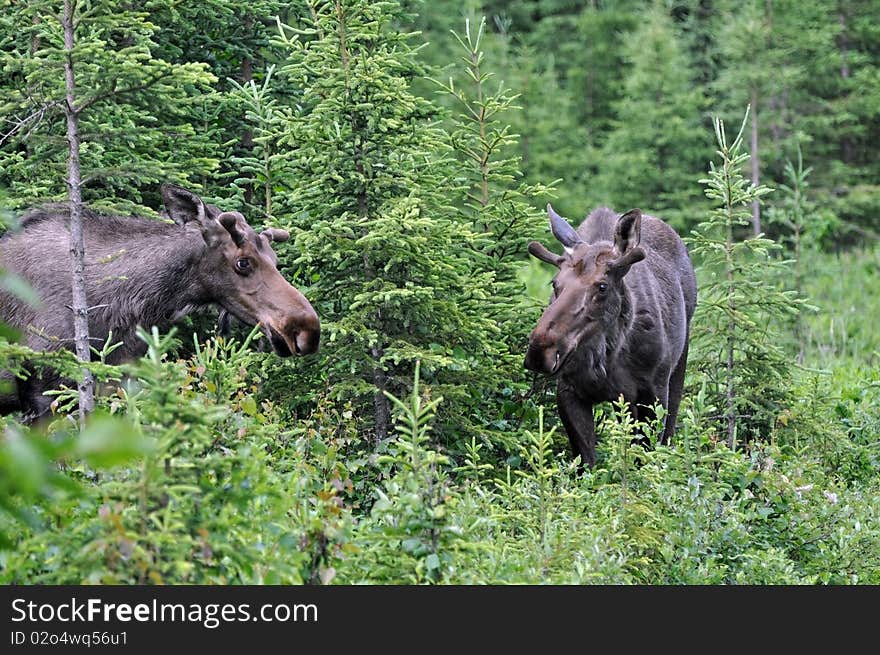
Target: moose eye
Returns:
[[243, 266], [602, 287]]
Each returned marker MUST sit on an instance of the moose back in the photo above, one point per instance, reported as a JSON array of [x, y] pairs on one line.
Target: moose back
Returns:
[[618, 321], [147, 272]]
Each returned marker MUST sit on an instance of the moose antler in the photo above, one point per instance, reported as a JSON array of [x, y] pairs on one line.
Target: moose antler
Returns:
[[276, 234]]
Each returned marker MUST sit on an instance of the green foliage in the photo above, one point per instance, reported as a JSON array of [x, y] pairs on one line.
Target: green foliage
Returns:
[[498, 207], [408, 537], [845, 329], [265, 166], [804, 229], [657, 146], [538, 523], [736, 341], [123, 93], [394, 272], [32, 472], [204, 504]]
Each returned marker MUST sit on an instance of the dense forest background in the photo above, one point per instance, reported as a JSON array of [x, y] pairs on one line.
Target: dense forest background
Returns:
[[410, 148]]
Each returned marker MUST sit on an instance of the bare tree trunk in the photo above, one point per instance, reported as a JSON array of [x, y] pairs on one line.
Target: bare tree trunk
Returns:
[[247, 138], [756, 174], [36, 43], [846, 142], [381, 409], [80, 308], [730, 393]]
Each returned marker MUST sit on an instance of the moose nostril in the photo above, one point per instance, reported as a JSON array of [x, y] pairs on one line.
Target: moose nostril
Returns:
[[307, 341]]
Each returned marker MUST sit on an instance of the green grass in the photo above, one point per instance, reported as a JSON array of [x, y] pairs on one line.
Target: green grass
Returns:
[[846, 289]]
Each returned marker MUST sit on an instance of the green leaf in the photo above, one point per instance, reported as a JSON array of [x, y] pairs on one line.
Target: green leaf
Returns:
[[249, 406], [109, 441], [19, 287], [28, 465]]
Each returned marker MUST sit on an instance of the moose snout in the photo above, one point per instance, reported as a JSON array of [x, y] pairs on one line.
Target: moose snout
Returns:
[[307, 340], [301, 334], [294, 327], [542, 356]]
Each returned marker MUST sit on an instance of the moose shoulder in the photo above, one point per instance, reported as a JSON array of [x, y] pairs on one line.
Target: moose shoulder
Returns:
[[147, 272], [618, 321]]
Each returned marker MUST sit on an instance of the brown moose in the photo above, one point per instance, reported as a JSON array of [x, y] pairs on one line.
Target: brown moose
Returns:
[[147, 272], [618, 321]]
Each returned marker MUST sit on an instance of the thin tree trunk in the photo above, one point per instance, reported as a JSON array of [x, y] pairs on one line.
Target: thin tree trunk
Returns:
[[484, 161], [730, 341], [846, 142], [380, 403], [731, 328], [36, 44], [381, 406], [756, 170], [80, 308], [247, 138]]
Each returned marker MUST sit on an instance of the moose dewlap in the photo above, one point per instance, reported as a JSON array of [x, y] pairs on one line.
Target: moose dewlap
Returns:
[[618, 321]]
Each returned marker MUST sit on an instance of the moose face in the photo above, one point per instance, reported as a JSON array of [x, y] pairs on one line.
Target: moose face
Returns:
[[587, 291], [239, 269]]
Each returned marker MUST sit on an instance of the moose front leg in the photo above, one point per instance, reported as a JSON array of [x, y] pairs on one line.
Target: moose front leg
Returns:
[[577, 417]]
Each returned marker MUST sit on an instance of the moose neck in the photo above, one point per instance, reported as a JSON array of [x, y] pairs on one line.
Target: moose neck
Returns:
[[592, 366], [157, 284]]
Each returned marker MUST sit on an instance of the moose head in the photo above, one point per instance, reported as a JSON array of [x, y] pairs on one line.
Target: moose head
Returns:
[[239, 272], [588, 290]]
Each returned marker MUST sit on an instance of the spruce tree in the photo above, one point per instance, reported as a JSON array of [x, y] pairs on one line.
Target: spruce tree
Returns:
[[736, 343], [700, 21], [392, 271], [802, 228], [836, 104], [552, 142], [235, 40], [498, 206], [134, 110], [656, 150], [758, 71], [261, 168], [592, 66], [88, 67]]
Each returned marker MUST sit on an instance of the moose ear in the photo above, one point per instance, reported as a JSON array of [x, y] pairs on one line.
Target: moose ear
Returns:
[[628, 232], [541, 252], [564, 232], [182, 205], [627, 235], [230, 221], [276, 234]]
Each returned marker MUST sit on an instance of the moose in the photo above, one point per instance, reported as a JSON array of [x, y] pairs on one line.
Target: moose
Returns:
[[146, 272], [618, 321]]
